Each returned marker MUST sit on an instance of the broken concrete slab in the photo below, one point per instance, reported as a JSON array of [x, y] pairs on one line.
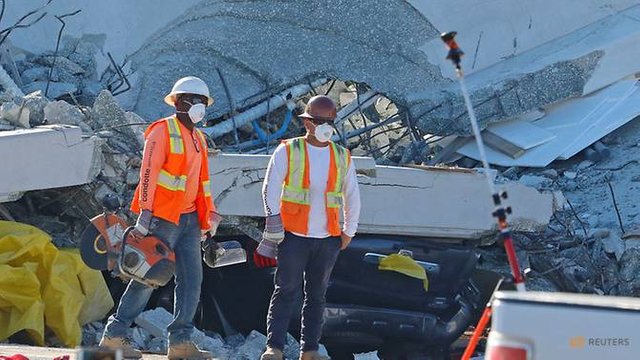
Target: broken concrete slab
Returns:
[[215, 345], [9, 86], [61, 112], [106, 113], [155, 321], [15, 114], [38, 73], [503, 29], [59, 147], [629, 269], [5, 125], [388, 191], [138, 125], [56, 89], [35, 102], [510, 88], [252, 348], [83, 50], [133, 177], [576, 124], [534, 181], [576, 64], [89, 91], [613, 245], [64, 65], [351, 52]]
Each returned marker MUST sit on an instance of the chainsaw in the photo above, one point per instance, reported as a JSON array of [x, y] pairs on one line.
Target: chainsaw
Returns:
[[107, 244]]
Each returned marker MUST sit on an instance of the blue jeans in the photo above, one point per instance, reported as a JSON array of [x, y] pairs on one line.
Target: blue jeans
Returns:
[[184, 239], [301, 261]]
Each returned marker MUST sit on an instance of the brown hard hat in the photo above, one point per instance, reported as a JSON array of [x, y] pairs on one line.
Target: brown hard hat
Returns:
[[320, 107]]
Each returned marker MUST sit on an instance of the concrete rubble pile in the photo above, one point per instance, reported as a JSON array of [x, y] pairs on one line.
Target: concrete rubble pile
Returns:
[[102, 129], [150, 335], [592, 245]]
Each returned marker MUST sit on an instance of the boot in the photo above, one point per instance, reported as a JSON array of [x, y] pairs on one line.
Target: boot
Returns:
[[124, 344], [312, 355], [272, 354], [187, 350]]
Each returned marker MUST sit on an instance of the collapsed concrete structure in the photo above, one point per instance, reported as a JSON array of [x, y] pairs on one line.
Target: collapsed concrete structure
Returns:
[[515, 51], [502, 89], [521, 65]]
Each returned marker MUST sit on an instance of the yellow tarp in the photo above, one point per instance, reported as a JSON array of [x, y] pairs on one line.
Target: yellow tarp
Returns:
[[41, 286], [406, 266]]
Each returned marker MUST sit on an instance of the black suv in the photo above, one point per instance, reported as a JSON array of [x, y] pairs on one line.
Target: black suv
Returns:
[[367, 309]]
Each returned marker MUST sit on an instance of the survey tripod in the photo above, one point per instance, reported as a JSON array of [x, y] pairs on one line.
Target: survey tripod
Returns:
[[500, 212]]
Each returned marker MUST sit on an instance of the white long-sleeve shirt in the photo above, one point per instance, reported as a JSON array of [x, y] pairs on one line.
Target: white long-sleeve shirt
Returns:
[[319, 158]]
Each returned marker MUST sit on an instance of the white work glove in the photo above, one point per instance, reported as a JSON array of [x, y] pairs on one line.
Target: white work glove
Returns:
[[273, 229], [214, 219], [143, 224]]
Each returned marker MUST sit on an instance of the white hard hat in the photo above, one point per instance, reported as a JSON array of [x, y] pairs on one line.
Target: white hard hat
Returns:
[[188, 85]]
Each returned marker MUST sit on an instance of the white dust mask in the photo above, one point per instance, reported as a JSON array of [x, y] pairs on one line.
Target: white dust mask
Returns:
[[196, 112], [323, 132]]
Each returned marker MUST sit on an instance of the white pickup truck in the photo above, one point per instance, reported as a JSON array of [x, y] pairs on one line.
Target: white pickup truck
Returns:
[[548, 326]]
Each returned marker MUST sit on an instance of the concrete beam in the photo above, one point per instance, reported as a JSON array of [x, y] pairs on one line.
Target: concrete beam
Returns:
[[46, 157], [428, 201]]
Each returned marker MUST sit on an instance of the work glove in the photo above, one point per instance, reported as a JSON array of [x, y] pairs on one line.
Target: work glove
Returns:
[[214, 219], [262, 261], [143, 224], [272, 235], [211, 250], [273, 229]]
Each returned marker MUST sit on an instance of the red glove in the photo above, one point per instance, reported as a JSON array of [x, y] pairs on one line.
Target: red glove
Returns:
[[263, 261]]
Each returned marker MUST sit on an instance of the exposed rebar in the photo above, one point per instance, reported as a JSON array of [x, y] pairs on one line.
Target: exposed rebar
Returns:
[[615, 206], [55, 53], [19, 25]]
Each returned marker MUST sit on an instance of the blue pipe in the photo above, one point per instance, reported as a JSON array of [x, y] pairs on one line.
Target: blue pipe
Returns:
[[263, 137]]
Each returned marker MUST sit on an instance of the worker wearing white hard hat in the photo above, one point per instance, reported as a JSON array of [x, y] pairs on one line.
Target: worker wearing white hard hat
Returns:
[[173, 200]]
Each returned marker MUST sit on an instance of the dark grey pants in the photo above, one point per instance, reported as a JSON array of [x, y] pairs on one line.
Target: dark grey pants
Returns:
[[307, 261]]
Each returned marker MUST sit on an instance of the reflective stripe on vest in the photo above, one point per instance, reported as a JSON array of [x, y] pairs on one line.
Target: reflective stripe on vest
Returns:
[[294, 192], [172, 182], [175, 136], [206, 188], [204, 139], [334, 198]]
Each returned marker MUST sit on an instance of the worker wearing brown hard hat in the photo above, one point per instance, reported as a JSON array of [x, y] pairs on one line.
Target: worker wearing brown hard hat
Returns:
[[309, 180]]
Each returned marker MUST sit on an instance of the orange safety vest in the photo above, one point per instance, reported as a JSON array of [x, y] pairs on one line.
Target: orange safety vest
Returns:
[[295, 203], [172, 179]]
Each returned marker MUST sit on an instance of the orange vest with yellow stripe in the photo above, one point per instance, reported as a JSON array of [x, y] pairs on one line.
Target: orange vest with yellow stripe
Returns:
[[295, 203], [172, 180]]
